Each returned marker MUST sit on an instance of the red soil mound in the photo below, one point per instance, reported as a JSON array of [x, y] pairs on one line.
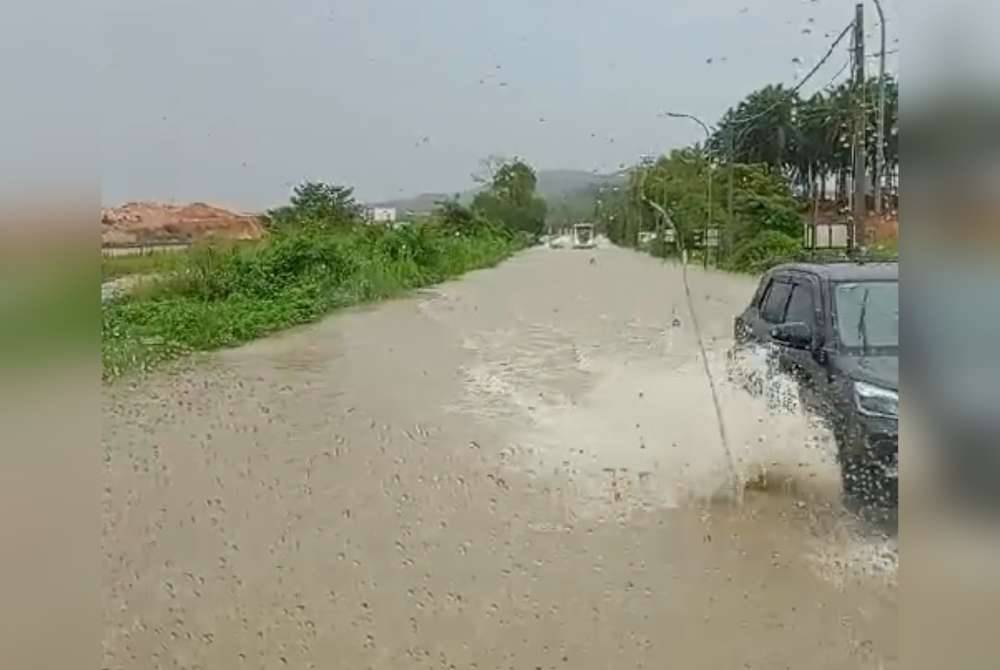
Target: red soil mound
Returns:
[[158, 223]]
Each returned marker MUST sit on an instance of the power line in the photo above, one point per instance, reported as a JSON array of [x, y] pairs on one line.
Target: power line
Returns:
[[802, 83], [825, 58], [887, 53], [843, 67]]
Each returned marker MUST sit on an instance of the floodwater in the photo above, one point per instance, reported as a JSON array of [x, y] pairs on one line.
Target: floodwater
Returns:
[[519, 469]]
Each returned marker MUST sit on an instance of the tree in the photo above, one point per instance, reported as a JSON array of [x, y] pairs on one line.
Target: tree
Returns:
[[488, 168], [515, 183], [762, 201], [510, 199], [807, 140], [317, 205], [765, 124], [678, 183], [455, 218]]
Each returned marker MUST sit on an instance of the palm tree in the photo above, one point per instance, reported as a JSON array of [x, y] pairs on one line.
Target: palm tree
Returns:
[[765, 120], [806, 140]]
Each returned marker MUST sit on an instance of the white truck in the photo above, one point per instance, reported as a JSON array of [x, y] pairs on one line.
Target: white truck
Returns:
[[583, 236]]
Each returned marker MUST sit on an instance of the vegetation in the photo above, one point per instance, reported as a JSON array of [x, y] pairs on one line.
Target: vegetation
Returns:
[[557, 187], [510, 198], [147, 262], [318, 257], [316, 206], [762, 202], [781, 151], [762, 251], [808, 140], [160, 261]]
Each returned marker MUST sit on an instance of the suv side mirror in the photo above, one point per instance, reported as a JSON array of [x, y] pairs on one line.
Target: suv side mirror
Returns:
[[796, 334]]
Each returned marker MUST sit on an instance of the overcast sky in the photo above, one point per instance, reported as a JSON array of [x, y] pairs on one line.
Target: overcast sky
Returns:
[[234, 101]]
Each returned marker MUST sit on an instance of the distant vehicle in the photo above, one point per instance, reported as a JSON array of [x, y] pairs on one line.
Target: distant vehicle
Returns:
[[583, 236], [835, 329]]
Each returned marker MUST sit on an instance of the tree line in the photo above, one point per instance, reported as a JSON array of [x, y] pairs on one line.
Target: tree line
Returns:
[[809, 140], [507, 203], [774, 158]]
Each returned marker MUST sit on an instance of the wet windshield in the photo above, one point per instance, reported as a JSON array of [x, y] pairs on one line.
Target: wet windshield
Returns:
[[418, 336], [867, 314]]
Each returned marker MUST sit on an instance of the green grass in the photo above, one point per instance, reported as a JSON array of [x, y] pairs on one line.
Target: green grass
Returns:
[[219, 297], [147, 262], [160, 261], [889, 248]]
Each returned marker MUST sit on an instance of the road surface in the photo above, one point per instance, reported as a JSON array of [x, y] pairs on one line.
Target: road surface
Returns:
[[519, 469]]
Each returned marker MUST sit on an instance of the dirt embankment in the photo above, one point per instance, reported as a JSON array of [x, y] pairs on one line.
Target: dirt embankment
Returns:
[[139, 223], [884, 228]]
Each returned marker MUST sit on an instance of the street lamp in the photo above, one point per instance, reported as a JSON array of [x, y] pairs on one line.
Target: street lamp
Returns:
[[708, 139]]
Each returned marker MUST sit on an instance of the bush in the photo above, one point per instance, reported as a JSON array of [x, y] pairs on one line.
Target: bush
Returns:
[[661, 248], [763, 251], [316, 206]]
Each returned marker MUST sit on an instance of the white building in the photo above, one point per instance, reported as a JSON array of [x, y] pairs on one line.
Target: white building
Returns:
[[381, 214]]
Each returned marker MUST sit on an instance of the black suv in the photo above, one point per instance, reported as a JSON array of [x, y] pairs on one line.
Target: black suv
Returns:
[[835, 328]]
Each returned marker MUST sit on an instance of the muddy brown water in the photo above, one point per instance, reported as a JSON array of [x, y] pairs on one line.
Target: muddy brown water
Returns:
[[519, 469]]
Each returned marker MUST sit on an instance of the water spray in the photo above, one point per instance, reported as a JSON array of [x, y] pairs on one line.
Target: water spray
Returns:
[[735, 480]]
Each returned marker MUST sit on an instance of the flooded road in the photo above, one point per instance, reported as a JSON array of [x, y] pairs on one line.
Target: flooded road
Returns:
[[519, 469]]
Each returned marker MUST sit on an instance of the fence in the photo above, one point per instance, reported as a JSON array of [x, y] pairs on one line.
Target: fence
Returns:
[[141, 249]]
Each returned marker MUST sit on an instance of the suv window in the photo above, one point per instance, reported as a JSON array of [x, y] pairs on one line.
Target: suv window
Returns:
[[776, 300], [800, 307], [868, 314]]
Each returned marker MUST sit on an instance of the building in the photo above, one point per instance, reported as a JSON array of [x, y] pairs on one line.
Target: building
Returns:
[[386, 215]]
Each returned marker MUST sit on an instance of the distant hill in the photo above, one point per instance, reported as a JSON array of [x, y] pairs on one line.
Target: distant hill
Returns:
[[571, 194], [554, 185], [419, 204]]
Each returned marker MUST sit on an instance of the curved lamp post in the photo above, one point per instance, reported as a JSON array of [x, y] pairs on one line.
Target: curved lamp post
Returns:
[[708, 138]]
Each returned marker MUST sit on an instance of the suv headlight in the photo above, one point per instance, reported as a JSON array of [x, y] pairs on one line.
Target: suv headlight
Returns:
[[875, 400]]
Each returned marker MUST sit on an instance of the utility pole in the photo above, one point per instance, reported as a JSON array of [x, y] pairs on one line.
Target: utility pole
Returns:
[[880, 148], [860, 182]]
